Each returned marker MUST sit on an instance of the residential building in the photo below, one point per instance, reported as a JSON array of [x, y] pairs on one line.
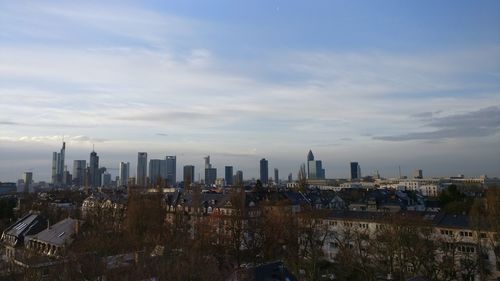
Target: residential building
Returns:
[[13, 236]]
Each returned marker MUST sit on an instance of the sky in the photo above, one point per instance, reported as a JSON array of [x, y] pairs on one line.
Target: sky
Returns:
[[414, 84]]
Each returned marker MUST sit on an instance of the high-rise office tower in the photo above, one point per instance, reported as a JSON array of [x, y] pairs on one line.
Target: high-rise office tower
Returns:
[[228, 175], [238, 178], [210, 176], [315, 169], [28, 180], [417, 174], [290, 177], [355, 171], [264, 171], [276, 176], [95, 174], [210, 173], [106, 179], [310, 157], [58, 166], [157, 172], [79, 172], [142, 169], [171, 170], [188, 175], [124, 171], [207, 162]]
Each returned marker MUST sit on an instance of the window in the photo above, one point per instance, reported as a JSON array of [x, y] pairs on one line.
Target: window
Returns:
[[482, 235], [447, 232]]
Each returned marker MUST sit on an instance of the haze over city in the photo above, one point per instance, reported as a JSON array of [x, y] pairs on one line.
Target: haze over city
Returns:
[[414, 84]]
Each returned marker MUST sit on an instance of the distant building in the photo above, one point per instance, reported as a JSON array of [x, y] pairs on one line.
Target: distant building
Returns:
[[315, 169], [95, 175], [276, 176], [106, 179], [290, 177], [28, 180], [142, 168], [355, 171], [124, 171], [228, 175], [171, 162], [188, 175], [210, 176], [417, 174], [79, 172], [210, 173], [8, 188], [157, 172], [58, 166], [264, 171], [238, 178]]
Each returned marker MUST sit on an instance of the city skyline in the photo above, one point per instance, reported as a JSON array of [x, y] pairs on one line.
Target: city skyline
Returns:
[[412, 84], [255, 169]]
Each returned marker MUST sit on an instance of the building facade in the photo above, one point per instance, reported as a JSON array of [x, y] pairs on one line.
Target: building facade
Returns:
[[124, 171], [95, 174], [171, 162], [142, 168], [228, 175], [264, 171]]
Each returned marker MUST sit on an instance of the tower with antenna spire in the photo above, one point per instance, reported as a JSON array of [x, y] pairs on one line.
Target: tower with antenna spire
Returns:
[[58, 166]]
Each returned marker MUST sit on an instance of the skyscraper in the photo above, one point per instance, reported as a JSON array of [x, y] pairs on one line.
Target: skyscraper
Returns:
[[171, 170], [95, 174], [315, 169], [124, 171], [106, 179], [157, 172], [417, 174], [142, 168], [188, 175], [28, 180], [264, 171], [355, 171], [310, 157], [79, 172], [210, 176], [276, 176], [238, 178], [58, 166], [228, 175], [210, 173]]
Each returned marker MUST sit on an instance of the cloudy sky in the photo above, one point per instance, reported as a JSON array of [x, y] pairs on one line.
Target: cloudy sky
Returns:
[[385, 83]]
